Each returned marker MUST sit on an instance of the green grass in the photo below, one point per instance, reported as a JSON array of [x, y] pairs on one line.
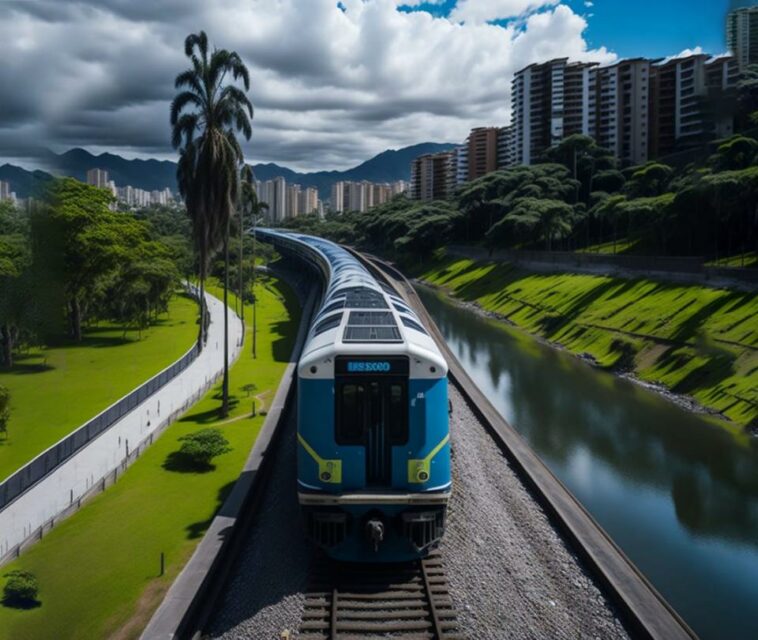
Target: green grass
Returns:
[[695, 340], [56, 389], [98, 570], [622, 245], [747, 259]]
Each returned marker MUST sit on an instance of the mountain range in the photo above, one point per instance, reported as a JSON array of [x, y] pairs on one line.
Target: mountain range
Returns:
[[388, 166]]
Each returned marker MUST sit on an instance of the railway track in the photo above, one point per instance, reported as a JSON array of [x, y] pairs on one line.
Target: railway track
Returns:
[[355, 602], [645, 612]]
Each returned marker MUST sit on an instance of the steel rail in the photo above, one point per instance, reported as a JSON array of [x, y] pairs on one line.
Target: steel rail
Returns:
[[643, 609]]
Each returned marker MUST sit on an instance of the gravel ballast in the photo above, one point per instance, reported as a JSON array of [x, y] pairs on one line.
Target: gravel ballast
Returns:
[[511, 574], [264, 594]]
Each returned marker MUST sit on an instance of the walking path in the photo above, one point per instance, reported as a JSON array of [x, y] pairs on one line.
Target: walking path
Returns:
[[104, 458]]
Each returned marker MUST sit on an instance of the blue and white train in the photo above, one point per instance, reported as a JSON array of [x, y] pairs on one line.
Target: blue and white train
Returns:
[[373, 458]]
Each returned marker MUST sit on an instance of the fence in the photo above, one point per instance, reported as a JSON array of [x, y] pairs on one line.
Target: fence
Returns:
[[694, 267], [43, 464], [8, 553]]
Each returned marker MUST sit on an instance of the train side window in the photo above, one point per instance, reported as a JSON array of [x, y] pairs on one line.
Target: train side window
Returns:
[[351, 407], [397, 413]]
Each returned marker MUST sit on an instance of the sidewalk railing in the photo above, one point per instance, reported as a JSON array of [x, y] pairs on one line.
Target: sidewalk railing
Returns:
[[34, 471]]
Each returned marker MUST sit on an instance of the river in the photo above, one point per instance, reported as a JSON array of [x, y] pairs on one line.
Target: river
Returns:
[[678, 493]]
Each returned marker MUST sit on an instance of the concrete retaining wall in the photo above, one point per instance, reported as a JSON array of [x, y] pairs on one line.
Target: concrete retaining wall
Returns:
[[678, 269]]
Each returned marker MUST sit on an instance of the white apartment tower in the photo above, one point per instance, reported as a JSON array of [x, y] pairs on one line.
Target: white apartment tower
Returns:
[[620, 118], [742, 35], [549, 102], [98, 178]]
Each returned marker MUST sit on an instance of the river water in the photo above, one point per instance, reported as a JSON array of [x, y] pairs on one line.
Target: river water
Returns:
[[677, 493]]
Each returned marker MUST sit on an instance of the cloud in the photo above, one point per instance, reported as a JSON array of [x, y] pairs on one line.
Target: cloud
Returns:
[[685, 53], [488, 10], [589, 4], [331, 86]]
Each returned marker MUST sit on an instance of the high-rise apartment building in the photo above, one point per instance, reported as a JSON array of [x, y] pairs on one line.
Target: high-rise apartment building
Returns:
[[460, 158], [481, 152], [549, 101], [742, 35], [274, 194], [506, 146], [690, 101], [337, 200], [361, 196], [433, 176], [5, 190], [307, 201], [292, 201], [98, 178], [619, 109], [286, 201]]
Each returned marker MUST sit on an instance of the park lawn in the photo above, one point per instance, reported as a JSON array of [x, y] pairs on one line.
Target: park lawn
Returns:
[[56, 389], [695, 340], [98, 570]]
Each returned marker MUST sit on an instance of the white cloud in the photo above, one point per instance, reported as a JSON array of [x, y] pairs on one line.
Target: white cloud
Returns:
[[330, 87], [589, 4], [487, 10], [685, 53]]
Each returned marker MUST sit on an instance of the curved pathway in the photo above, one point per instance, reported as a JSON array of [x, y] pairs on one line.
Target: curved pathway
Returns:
[[102, 460]]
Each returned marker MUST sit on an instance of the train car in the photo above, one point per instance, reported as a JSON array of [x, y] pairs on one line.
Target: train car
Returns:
[[373, 459]]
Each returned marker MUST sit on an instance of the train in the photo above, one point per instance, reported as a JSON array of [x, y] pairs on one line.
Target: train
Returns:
[[373, 459]]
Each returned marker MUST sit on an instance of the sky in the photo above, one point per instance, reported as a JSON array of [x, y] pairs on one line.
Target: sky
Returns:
[[333, 83]]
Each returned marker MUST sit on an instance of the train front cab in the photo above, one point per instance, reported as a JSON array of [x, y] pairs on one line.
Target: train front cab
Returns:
[[374, 455]]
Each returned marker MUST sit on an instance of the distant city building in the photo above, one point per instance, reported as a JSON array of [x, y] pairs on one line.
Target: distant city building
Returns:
[[129, 195], [742, 35], [286, 201], [5, 190], [337, 199], [433, 176], [134, 197], [98, 178], [362, 196]]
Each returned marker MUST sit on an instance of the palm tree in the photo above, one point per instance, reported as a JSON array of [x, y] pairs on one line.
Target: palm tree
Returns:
[[206, 115]]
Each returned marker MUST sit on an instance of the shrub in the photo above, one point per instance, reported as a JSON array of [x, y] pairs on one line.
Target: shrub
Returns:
[[21, 589], [202, 446], [626, 351]]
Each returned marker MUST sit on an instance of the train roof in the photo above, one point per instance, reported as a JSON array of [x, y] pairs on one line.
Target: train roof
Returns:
[[358, 314]]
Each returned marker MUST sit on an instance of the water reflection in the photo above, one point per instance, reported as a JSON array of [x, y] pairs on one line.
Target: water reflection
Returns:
[[678, 493]]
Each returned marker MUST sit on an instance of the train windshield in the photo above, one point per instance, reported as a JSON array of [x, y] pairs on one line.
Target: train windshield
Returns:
[[367, 405], [372, 411]]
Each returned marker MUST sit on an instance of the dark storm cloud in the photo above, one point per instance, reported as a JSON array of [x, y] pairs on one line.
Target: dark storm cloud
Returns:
[[329, 87]]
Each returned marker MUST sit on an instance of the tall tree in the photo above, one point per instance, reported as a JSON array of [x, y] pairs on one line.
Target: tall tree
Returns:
[[93, 240], [251, 212], [5, 410], [206, 116]]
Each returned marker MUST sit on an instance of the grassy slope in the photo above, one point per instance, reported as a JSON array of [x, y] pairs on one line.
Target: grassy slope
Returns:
[[98, 570], [55, 390], [695, 340]]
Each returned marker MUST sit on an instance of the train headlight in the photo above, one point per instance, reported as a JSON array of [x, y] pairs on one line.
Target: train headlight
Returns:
[[326, 476], [423, 476]]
